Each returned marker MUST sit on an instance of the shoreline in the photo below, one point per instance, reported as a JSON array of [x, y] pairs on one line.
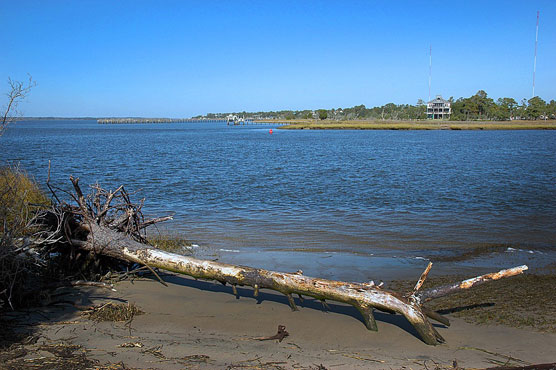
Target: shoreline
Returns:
[[378, 264], [311, 124], [202, 325], [413, 125], [198, 324]]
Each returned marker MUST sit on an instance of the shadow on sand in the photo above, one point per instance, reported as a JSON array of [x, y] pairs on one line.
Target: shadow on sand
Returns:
[[308, 302]]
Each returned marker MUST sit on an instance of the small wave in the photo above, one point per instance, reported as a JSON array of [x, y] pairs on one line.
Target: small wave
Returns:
[[511, 250], [421, 258], [229, 250]]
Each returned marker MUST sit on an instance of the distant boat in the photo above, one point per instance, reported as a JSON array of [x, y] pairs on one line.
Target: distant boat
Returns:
[[235, 120], [231, 119]]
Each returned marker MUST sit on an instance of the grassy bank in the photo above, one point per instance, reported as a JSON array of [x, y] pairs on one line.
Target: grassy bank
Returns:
[[416, 125], [20, 197]]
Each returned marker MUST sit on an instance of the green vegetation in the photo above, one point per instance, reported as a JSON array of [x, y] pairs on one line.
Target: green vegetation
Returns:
[[477, 107], [421, 125], [481, 107]]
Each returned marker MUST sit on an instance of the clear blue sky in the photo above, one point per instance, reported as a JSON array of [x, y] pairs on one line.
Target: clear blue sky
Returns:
[[183, 58]]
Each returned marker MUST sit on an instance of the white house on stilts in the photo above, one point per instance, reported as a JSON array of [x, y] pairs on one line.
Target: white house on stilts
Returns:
[[439, 108]]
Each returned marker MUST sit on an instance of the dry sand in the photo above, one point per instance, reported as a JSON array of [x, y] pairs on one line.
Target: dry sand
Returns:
[[196, 324]]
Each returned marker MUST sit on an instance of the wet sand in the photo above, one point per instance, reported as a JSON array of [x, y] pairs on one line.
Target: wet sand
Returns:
[[196, 324]]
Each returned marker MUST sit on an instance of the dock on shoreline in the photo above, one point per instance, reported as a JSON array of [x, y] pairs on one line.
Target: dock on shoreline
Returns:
[[155, 120], [107, 121]]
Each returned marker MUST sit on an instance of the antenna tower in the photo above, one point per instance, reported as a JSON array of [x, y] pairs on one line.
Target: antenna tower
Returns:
[[430, 71], [535, 62]]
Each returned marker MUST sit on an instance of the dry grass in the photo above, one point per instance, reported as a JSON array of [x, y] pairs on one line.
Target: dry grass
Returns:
[[52, 356], [60, 356], [526, 300], [20, 197], [418, 125], [113, 312]]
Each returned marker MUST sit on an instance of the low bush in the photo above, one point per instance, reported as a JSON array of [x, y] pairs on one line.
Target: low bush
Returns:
[[20, 197]]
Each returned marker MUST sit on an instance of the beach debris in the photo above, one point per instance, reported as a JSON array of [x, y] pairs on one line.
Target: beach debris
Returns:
[[96, 284], [355, 355], [62, 356], [257, 364], [107, 223], [155, 351], [280, 335], [113, 312], [131, 345], [194, 358], [549, 366]]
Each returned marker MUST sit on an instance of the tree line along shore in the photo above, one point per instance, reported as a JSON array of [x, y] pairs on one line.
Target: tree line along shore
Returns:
[[479, 107]]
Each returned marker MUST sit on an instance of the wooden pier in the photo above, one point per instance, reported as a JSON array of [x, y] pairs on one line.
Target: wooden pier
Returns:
[[239, 122], [156, 120]]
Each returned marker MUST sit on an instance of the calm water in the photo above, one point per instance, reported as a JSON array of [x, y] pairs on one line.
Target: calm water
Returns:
[[352, 198]]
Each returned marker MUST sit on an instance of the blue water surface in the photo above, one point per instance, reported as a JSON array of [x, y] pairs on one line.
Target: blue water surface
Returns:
[[358, 193]]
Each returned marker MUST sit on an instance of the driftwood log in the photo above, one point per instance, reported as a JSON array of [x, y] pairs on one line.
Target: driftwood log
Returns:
[[114, 230]]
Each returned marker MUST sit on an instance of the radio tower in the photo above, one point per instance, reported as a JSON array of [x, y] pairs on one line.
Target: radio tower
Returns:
[[535, 62], [430, 73]]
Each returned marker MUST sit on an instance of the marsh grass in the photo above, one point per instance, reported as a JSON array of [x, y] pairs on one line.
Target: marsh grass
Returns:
[[527, 300], [419, 125]]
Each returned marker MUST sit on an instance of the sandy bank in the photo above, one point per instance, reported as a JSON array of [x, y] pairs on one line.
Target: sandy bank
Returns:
[[194, 324]]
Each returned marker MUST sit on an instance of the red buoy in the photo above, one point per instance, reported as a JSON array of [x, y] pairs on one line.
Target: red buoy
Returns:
[[270, 131]]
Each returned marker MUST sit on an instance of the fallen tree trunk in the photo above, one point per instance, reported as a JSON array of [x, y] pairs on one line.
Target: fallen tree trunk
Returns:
[[98, 234], [364, 297]]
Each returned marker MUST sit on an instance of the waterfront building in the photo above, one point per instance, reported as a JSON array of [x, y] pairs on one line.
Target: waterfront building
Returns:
[[439, 108]]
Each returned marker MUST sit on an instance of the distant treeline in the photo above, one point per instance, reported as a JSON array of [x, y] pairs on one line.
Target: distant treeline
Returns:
[[476, 107], [481, 107]]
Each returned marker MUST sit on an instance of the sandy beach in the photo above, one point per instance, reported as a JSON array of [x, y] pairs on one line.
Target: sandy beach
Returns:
[[195, 324]]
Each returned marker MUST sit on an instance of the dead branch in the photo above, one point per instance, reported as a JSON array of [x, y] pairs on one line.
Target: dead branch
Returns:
[[280, 335], [18, 92], [75, 283], [441, 291]]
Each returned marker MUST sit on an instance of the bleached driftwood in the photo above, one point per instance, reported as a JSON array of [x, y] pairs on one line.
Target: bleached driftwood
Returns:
[[115, 234]]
